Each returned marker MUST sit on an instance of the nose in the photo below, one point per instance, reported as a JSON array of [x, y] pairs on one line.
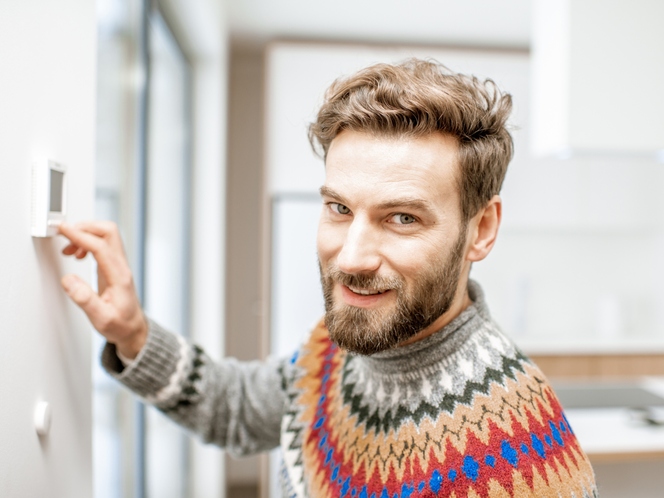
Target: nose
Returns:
[[359, 253]]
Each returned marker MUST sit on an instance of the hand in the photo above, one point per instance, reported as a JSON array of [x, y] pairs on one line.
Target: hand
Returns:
[[115, 312]]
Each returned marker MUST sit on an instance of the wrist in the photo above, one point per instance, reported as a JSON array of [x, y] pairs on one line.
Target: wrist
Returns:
[[132, 345]]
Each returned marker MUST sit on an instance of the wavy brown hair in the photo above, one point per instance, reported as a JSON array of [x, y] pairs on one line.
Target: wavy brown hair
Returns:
[[416, 98]]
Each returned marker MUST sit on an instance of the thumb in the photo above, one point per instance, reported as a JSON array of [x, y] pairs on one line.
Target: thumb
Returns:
[[83, 295]]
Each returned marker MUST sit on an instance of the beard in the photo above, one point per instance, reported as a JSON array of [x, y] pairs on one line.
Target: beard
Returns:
[[368, 331]]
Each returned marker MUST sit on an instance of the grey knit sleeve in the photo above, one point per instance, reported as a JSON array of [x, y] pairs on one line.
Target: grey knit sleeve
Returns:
[[236, 405]]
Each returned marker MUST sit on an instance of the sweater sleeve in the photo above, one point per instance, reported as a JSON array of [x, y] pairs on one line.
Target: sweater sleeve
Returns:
[[236, 405]]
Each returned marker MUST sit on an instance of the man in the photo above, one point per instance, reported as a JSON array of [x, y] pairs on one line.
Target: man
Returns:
[[407, 388]]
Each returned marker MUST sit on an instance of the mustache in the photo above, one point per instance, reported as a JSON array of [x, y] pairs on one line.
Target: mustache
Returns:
[[367, 281]]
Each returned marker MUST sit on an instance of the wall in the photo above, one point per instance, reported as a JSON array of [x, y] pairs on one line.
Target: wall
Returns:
[[47, 105], [245, 183]]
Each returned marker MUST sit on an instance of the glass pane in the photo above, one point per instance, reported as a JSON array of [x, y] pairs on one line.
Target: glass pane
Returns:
[[168, 173], [118, 86], [167, 238]]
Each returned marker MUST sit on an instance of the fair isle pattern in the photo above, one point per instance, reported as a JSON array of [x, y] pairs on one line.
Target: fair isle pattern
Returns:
[[189, 379], [173, 388], [479, 422]]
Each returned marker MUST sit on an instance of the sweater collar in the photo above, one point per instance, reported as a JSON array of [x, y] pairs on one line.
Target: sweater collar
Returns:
[[437, 345]]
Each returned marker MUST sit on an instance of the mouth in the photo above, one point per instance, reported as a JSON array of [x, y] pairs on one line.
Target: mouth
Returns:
[[366, 292], [364, 298]]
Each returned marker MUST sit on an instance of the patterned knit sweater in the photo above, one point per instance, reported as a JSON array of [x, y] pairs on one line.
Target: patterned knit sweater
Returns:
[[461, 413]]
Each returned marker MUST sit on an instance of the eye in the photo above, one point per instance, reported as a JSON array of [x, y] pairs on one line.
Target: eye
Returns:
[[339, 208], [403, 219]]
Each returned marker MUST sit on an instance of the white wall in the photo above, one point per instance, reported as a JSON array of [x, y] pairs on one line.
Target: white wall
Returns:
[[598, 77], [47, 105]]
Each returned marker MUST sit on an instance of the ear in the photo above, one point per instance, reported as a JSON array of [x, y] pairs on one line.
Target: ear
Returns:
[[483, 230]]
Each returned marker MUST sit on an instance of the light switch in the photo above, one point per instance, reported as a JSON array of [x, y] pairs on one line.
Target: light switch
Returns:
[[43, 417]]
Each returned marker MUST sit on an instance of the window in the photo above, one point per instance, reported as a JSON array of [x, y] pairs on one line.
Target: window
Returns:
[[143, 183]]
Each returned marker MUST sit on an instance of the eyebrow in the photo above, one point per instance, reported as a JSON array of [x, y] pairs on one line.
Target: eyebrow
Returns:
[[407, 202]]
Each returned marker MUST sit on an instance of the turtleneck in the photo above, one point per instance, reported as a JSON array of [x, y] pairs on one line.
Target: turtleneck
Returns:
[[435, 347]]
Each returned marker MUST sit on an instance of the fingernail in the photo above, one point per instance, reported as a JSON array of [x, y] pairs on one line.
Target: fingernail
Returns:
[[69, 282]]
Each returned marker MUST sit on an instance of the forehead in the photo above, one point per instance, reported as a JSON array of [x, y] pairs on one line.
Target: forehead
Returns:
[[367, 167]]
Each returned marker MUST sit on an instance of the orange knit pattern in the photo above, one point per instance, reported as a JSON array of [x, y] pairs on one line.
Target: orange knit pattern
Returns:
[[506, 437]]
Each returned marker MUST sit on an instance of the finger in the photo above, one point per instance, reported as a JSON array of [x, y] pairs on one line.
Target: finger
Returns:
[[111, 259], [100, 228], [81, 238], [105, 229], [82, 294], [70, 249], [101, 282], [112, 267], [81, 253]]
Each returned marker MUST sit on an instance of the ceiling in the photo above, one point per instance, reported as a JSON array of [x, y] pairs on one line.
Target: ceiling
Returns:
[[486, 23]]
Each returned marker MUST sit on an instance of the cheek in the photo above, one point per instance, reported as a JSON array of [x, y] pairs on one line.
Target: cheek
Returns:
[[415, 257], [328, 242], [408, 264]]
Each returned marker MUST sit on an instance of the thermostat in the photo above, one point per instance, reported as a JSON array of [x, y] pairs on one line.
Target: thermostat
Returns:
[[49, 197]]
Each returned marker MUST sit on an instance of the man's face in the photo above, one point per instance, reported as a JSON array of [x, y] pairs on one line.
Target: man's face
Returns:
[[391, 244]]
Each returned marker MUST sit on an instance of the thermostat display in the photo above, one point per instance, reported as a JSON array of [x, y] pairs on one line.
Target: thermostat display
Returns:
[[57, 184], [49, 197]]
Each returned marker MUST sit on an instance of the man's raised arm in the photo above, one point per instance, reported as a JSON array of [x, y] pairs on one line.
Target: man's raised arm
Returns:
[[229, 403]]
